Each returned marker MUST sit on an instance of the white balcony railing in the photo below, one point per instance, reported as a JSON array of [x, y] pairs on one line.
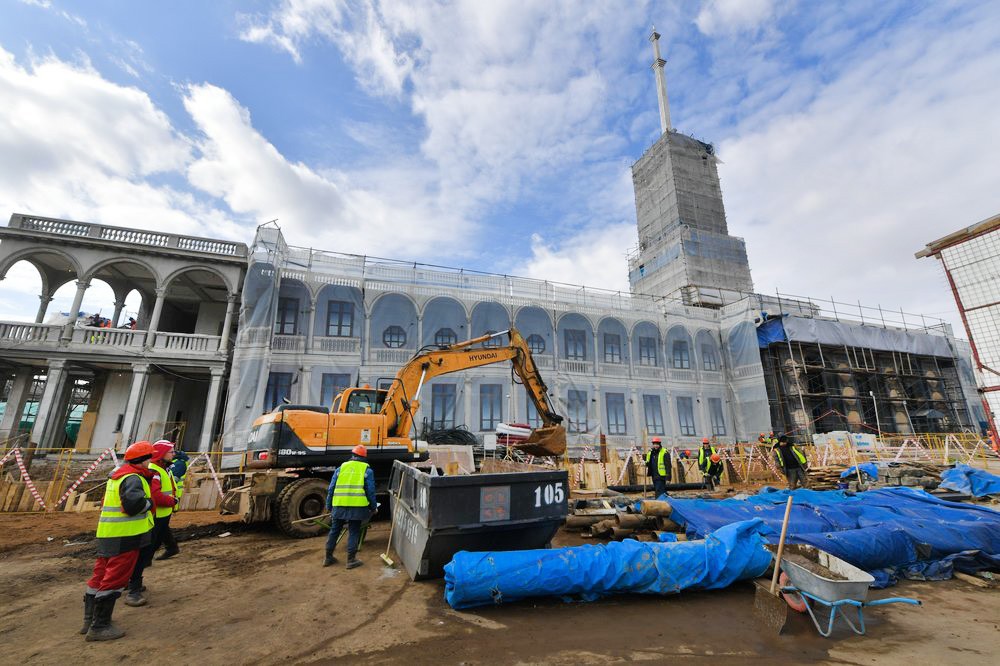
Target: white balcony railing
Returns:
[[290, 343], [394, 356], [114, 338], [187, 343], [21, 333], [682, 375], [647, 372], [612, 370], [543, 361], [336, 345], [577, 367]]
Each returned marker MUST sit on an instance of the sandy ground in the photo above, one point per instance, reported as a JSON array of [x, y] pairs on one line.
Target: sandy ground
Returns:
[[257, 597]]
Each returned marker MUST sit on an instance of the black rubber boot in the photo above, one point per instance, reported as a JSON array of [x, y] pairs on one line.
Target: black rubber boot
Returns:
[[168, 553], [330, 559], [102, 628], [136, 594], [353, 562], [88, 612]]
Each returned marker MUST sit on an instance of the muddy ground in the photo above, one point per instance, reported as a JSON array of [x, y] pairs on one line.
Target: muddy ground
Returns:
[[256, 597]]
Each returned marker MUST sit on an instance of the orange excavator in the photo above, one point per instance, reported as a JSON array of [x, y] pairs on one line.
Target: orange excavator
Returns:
[[296, 447]]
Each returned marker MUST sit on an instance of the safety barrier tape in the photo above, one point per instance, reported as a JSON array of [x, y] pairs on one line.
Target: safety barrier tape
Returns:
[[27, 479], [633, 454], [211, 468], [83, 476], [9, 454]]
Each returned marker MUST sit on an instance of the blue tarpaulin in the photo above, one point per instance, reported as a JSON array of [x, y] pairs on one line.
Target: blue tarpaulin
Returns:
[[901, 529], [769, 332], [975, 482], [870, 469], [735, 552]]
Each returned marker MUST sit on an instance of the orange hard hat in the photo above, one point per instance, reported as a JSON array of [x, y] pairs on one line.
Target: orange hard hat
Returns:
[[139, 451], [715, 457], [360, 450], [704, 440], [656, 440]]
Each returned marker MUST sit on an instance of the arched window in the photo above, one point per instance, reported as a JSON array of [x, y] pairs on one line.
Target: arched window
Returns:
[[445, 337], [394, 337], [536, 343]]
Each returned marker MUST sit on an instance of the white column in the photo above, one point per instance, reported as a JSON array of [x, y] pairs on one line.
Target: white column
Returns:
[[133, 407], [81, 288], [15, 402], [304, 396], [227, 324], [119, 306], [211, 410], [312, 327], [50, 412], [471, 418], [45, 298], [154, 320]]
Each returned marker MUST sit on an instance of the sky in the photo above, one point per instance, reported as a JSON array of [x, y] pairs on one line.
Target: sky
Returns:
[[499, 135]]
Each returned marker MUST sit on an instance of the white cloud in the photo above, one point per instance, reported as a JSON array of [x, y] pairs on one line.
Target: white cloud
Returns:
[[594, 257], [729, 16], [836, 196]]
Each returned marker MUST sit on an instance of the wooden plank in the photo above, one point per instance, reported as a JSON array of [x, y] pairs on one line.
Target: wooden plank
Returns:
[[973, 580]]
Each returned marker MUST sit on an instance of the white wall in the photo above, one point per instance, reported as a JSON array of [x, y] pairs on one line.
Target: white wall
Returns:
[[113, 402], [210, 317]]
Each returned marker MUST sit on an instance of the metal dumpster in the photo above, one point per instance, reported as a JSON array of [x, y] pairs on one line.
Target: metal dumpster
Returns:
[[434, 517]]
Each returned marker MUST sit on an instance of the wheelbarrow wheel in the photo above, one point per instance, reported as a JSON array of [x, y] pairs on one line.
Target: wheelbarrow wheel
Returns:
[[793, 599]]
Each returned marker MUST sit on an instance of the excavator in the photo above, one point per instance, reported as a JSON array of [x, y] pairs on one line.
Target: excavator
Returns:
[[293, 450]]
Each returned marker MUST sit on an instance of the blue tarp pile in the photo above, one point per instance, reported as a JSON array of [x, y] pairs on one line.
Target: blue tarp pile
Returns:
[[975, 482], [869, 469], [734, 552], [888, 532]]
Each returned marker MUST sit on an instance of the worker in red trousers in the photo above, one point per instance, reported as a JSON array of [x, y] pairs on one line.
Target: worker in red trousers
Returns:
[[163, 491], [123, 528]]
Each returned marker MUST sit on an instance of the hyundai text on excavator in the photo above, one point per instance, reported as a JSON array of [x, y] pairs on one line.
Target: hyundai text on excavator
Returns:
[[296, 447]]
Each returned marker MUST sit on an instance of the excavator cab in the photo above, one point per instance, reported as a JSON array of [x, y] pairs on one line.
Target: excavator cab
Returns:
[[359, 401]]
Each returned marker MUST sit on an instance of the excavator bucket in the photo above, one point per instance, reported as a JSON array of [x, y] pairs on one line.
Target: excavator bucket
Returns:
[[547, 441]]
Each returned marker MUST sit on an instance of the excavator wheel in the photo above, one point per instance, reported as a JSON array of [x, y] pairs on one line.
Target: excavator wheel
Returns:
[[303, 498]]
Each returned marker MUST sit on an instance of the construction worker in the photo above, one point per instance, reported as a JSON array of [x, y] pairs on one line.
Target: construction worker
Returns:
[[123, 529], [658, 466], [351, 497], [161, 490], [793, 462], [177, 469], [710, 463]]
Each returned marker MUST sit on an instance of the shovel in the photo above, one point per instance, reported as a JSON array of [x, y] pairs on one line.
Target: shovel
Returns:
[[769, 607]]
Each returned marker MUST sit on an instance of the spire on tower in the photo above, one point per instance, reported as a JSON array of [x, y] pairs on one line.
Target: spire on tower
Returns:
[[661, 82]]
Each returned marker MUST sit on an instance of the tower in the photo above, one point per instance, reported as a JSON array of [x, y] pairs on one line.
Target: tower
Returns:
[[685, 251]]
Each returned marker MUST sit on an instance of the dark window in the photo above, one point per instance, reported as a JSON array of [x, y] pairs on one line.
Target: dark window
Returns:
[[279, 387], [394, 337], [443, 406], [493, 342], [682, 359], [612, 348], [576, 344], [716, 415], [286, 321], [534, 420], [577, 406], [647, 351], [490, 406], [339, 319], [685, 416], [615, 403], [654, 414], [333, 383], [536, 343], [445, 337], [709, 361]]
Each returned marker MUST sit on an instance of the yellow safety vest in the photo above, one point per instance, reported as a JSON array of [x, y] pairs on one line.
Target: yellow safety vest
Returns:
[[661, 461], [166, 487], [179, 487], [704, 462], [795, 450], [114, 522], [350, 488]]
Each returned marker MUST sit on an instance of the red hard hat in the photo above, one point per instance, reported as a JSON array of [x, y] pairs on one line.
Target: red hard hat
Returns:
[[161, 449], [139, 451], [360, 450], [656, 440], [715, 457], [704, 440]]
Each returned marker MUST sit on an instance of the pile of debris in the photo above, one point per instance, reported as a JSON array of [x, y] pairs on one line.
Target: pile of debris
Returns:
[[618, 517], [924, 475]]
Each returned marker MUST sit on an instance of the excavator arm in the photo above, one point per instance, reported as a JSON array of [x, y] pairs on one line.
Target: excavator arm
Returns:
[[403, 398]]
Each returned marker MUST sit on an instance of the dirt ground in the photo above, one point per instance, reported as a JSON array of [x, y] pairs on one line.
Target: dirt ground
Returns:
[[256, 597]]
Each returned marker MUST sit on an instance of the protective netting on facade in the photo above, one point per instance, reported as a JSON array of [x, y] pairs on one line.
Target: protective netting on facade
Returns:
[[628, 367]]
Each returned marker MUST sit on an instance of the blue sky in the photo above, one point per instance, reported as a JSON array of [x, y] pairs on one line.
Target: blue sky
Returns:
[[499, 135]]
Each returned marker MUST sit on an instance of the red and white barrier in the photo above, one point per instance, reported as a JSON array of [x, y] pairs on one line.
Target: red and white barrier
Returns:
[[211, 468], [27, 479], [86, 473]]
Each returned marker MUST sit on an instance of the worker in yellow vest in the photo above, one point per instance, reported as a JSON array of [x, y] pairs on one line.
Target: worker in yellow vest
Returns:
[[123, 528], [163, 492], [792, 462], [710, 464], [658, 466], [351, 498]]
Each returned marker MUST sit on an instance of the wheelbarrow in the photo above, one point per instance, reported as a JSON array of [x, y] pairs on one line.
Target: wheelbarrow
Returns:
[[842, 589]]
